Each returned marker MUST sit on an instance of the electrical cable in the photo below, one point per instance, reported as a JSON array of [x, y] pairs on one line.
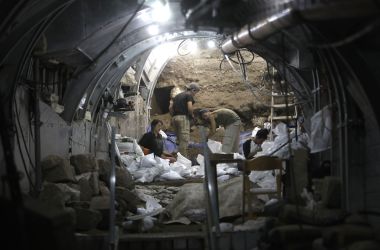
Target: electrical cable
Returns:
[[238, 52], [347, 40], [179, 47], [17, 115]]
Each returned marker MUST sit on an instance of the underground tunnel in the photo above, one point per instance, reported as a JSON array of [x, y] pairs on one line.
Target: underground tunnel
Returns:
[[82, 83]]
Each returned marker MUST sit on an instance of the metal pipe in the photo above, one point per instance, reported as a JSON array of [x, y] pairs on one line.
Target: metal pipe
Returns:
[[342, 91], [252, 33], [37, 123], [212, 205], [256, 32], [113, 228]]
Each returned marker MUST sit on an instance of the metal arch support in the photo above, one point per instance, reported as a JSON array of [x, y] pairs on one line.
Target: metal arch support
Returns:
[[74, 95], [35, 18]]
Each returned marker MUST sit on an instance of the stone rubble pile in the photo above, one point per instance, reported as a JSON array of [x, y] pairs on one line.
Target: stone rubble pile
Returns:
[[80, 186]]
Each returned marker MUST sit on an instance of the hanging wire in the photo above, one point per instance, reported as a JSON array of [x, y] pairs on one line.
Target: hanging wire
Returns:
[[17, 131], [243, 75], [17, 115], [180, 45]]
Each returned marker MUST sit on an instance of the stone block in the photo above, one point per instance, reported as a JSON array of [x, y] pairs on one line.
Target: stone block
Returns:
[[83, 163], [56, 169]]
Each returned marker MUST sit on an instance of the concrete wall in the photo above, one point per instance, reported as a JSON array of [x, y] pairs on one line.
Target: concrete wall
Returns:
[[134, 123], [57, 138]]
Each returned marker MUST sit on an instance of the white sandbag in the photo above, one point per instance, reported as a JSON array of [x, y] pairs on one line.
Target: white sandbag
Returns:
[[264, 179], [201, 160], [164, 163], [266, 146], [215, 146], [183, 160], [232, 171], [181, 169], [148, 223], [171, 175], [220, 170], [200, 171], [127, 159], [223, 178], [238, 156], [148, 161], [137, 148], [177, 167], [226, 227], [151, 204], [126, 147], [148, 174]]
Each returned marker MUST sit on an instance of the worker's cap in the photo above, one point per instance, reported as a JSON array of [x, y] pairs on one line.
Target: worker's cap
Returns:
[[202, 111], [262, 133], [193, 86]]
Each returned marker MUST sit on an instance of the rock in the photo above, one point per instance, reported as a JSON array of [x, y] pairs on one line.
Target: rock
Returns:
[[331, 189], [320, 216], [56, 169], [100, 202], [341, 236], [104, 170], [364, 245], [130, 198], [79, 204], [124, 178], [83, 163], [85, 190], [357, 219], [58, 194], [293, 237], [103, 189], [93, 181], [87, 219]]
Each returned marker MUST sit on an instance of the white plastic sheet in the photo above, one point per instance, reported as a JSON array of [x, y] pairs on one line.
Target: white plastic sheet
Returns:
[[321, 126]]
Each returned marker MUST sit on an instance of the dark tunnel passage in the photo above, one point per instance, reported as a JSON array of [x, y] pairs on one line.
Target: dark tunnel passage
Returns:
[[80, 78]]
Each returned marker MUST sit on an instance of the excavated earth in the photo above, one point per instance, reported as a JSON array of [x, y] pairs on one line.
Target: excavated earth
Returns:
[[222, 86]]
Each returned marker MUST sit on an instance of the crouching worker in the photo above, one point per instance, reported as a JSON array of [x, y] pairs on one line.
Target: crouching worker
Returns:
[[152, 142], [230, 121], [252, 146]]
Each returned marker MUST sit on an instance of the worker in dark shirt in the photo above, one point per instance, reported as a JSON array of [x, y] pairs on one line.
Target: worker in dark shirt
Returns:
[[181, 109], [152, 142], [252, 146]]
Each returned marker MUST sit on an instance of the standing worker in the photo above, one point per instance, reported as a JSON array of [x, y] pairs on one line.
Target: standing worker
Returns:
[[181, 109], [231, 123]]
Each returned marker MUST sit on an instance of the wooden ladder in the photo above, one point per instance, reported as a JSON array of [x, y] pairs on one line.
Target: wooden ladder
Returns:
[[277, 103]]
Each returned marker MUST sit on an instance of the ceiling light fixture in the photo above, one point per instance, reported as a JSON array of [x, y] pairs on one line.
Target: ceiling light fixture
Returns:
[[153, 29]]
